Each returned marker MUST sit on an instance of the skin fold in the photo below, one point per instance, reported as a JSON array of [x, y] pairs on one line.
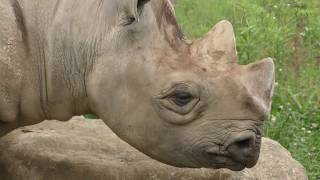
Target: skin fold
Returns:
[[187, 104]]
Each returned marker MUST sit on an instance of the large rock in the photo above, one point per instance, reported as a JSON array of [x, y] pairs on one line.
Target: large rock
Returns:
[[88, 150]]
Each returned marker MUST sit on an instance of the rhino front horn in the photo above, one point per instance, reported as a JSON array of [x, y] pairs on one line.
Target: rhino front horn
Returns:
[[219, 44]]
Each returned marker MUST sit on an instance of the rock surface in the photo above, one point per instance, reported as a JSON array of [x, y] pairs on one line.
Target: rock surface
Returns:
[[87, 150]]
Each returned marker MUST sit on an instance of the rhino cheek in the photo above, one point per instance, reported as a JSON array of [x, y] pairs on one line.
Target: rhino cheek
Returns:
[[196, 138]]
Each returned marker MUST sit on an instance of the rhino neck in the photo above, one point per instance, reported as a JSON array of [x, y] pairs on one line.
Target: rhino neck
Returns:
[[67, 66]]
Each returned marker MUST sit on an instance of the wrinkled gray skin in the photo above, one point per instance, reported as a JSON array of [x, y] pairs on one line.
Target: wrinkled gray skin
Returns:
[[187, 104]]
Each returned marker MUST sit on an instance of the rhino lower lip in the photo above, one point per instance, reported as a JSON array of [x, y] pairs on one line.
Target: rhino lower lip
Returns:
[[229, 161], [213, 153]]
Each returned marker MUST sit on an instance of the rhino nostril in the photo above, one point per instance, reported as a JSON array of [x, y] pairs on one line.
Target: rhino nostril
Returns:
[[242, 147], [242, 140], [244, 143]]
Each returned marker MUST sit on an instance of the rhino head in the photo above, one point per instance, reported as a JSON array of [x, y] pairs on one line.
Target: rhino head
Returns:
[[188, 104]]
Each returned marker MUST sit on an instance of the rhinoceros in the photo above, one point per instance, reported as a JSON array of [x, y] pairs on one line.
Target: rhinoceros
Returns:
[[185, 103]]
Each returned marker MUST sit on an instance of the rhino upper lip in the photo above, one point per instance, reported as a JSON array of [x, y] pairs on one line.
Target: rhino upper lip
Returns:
[[257, 122], [217, 149]]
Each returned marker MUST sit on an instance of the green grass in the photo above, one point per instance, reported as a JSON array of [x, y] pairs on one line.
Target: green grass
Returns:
[[289, 32]]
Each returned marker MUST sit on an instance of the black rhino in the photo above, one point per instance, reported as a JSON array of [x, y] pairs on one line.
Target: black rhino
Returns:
[[187, 104]]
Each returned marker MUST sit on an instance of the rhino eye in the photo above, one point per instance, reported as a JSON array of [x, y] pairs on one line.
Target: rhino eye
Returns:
[[181, 98], [128, 20]]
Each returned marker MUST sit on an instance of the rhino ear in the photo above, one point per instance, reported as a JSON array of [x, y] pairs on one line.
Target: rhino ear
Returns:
[[259, 79], [137, 7], [219, 43], [142, 3]]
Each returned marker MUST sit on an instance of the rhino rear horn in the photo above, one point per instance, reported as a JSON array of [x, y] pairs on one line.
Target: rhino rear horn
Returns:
[[219, 43]]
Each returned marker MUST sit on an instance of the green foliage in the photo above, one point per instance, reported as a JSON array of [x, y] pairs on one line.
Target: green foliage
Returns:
[[289, 32], [90, 116]]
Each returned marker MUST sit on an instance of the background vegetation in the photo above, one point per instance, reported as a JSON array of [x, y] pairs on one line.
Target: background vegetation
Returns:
[[289, 32]]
